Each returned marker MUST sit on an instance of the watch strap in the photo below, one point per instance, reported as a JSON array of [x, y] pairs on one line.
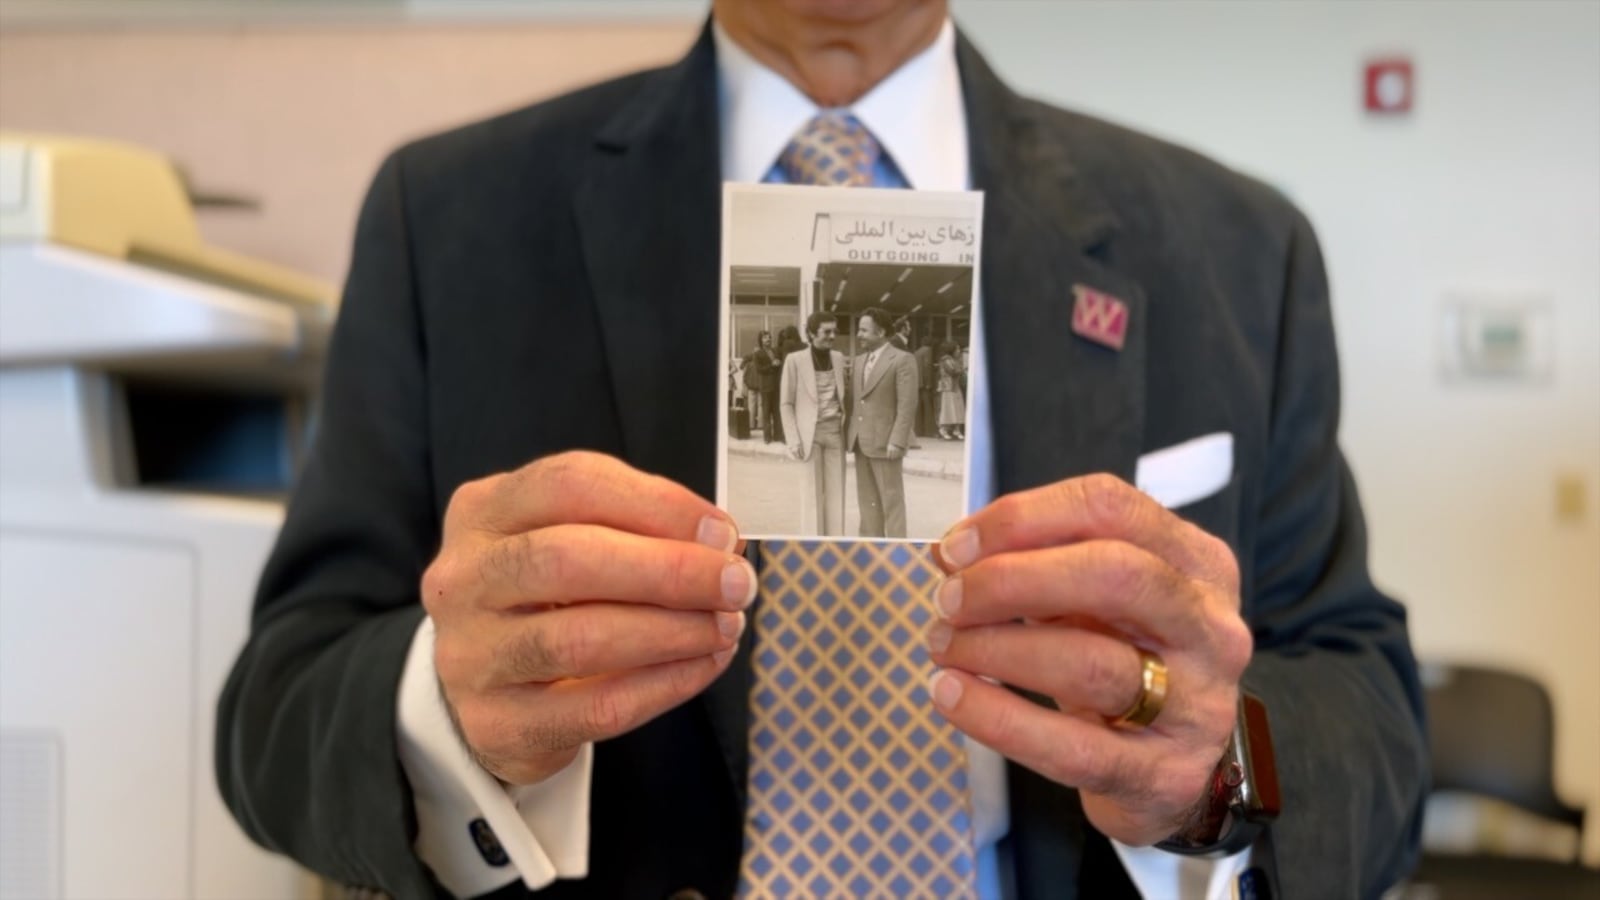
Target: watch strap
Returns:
[[1242, 796]]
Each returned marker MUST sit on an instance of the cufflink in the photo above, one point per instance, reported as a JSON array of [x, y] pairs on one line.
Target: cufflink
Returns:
[[488, 845]]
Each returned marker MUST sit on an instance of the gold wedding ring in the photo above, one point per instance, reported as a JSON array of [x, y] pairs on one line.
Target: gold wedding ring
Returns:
[[1152, 694]]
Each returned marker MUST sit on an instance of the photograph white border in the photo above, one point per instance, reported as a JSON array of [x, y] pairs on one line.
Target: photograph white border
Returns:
[[868, 203]]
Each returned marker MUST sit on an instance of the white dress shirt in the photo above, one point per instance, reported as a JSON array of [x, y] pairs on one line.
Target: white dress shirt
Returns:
[[918, 116], [871, 362]]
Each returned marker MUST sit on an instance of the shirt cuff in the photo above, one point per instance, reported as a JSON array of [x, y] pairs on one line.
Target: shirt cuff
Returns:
[[1157, 873], [473, 832]]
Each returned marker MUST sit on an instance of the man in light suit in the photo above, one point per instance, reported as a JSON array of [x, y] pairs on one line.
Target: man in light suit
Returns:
[[885, 409], [812, 398], [499, 610]]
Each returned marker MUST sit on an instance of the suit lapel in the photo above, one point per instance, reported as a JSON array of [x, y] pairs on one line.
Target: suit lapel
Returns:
[[1061, 405], [808, 374], [884, 363], [649, 215]]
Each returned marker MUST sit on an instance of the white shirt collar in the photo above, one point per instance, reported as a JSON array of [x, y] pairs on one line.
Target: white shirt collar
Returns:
[[917, 114]]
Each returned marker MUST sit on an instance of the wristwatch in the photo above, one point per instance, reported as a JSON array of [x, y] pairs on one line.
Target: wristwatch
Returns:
[[1242, 797]]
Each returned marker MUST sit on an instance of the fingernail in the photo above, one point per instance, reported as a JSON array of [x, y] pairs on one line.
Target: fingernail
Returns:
[[960, 547], [949, 598], [738, 583], [939, 638], [721, 657], [716, 533], [731, 624], [944, 689]]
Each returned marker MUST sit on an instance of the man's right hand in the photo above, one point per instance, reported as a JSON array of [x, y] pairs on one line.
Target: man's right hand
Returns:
[[796, 453], [575, 599]]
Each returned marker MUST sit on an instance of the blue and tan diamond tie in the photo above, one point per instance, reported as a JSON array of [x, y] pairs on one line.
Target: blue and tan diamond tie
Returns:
[[857, 788], [832, 149]]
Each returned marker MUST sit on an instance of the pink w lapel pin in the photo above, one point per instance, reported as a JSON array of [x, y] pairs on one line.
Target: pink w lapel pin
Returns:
[[1099, 317]]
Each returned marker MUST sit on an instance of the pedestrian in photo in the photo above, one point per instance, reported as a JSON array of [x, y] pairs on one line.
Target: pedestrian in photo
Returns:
[[789, 341], [952, 402], [927, 383], [761, 368]]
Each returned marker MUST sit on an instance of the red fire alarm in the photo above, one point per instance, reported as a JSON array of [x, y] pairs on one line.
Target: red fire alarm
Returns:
[[1391, 86]]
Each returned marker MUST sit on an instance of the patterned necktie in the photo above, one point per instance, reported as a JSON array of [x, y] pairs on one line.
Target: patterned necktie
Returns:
[[857, 786], [831, 149]]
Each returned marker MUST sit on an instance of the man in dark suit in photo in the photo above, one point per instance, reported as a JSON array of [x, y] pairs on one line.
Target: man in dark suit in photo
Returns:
[[901, 339], [503, 644], [763, 366], [927, 409], [881, 420], [902, 334]]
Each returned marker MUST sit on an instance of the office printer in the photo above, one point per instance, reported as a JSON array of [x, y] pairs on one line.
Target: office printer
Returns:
[[154, 394]]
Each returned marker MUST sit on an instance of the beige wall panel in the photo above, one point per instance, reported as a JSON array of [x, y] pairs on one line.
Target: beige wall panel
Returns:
[[301, 118]]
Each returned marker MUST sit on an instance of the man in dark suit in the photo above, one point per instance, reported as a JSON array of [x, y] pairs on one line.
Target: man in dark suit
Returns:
[[902, 334], [927, 409], [885, 407], [763, 367], [577, 643], [901, 339]]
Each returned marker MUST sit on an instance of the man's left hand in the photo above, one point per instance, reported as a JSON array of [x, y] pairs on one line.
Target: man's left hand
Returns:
[[1056, 590], [896, 452]]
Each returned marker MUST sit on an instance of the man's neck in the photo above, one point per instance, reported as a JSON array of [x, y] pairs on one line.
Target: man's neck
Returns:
[[834, 62]]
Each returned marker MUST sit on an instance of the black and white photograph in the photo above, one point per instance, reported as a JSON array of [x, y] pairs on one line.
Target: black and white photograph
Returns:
[[847, 342]]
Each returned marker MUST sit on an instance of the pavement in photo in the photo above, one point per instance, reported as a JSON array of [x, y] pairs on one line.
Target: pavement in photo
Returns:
[[766, 489]]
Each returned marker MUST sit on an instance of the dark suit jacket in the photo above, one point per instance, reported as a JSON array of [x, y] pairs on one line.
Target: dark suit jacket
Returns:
[[767, 369], [924, 357], [593, 218]]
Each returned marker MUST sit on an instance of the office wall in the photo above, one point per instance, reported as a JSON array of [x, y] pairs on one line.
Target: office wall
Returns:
[[300, 116], [1492, 185]]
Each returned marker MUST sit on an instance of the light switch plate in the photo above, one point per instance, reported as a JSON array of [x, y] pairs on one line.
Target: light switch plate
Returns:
[[1497, 337]]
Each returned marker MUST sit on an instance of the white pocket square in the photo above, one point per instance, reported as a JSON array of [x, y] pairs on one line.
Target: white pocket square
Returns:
[[1183, 473]]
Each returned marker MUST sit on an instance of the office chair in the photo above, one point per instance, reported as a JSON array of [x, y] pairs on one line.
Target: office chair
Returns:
[[1493, 735]]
